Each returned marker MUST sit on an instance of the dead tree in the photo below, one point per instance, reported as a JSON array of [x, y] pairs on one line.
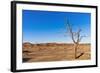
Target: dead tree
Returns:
[[76, 38]]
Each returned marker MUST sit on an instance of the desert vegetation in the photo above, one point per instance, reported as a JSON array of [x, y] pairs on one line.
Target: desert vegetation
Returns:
[[76, 38]]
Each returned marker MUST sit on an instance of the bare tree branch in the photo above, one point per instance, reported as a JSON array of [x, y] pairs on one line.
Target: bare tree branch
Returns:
[[81, 37]]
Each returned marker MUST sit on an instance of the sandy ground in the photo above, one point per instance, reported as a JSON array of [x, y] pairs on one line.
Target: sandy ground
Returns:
[[54, 52]]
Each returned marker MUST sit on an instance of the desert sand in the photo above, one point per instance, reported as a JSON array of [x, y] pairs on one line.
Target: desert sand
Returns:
[[44, 52]]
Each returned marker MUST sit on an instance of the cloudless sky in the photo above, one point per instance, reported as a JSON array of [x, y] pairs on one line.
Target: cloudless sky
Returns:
[[49, 26]]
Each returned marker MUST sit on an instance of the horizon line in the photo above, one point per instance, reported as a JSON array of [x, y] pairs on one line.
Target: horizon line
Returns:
[[58, 42]]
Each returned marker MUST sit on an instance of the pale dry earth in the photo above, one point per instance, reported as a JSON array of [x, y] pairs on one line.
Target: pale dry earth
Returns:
[[54, 52]]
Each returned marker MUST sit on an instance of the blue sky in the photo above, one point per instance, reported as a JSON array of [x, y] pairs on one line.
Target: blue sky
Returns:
[[49, 26]]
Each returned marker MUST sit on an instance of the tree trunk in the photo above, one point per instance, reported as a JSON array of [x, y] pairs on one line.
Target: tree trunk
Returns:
[[76, 47]]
